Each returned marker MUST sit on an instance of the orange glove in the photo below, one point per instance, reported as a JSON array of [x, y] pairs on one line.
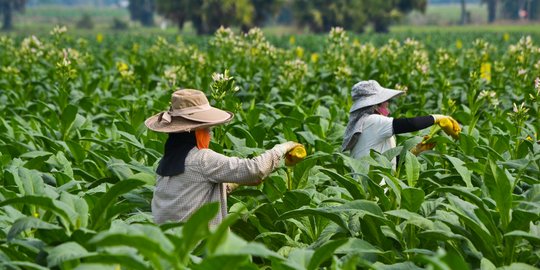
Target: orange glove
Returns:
[[423, 146]]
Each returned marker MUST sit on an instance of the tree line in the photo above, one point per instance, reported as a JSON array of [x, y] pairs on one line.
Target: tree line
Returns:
[[318, 16]]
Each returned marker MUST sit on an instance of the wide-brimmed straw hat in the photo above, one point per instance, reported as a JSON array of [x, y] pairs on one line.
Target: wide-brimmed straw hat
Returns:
[[369, 93], [189, 110]]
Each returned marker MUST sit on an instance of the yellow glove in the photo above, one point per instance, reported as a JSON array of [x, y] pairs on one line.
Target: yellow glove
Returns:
[[295, 155], [423, 146], [448, 124]]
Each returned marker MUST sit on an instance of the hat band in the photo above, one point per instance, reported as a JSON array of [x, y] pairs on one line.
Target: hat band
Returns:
[[167, 116], [190, 110]]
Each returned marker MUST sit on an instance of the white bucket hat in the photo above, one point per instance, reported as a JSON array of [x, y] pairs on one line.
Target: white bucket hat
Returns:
[[189, 110], [369, 93]]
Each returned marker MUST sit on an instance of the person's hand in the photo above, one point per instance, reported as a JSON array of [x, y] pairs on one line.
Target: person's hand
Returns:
[[422, 146], [230, 187], [448, 124], [286, 146], [295, 155], [291, 152]]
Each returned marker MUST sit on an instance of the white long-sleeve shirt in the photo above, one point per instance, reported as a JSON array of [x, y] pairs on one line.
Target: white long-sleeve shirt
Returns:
[[204, 180]]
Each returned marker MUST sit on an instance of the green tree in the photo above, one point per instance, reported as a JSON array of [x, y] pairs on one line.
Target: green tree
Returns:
[[491, 9], [142, 11], [208, 15], [265, 9], [463, 12], [321, 15], [7, 7], [180, 11], [352, 15], [227, 13]]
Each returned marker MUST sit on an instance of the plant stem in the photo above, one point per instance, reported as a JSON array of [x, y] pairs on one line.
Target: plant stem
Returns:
[[289, 179]]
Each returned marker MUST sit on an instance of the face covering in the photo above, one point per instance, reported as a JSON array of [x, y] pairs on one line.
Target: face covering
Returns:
[[383, 109], [203, 138]]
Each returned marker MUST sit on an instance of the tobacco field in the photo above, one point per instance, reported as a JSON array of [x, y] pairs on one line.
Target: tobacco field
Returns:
[[77, 164]]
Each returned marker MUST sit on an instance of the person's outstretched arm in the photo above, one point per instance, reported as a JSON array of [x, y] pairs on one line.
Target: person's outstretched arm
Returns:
[[404, 125], [222, 169]]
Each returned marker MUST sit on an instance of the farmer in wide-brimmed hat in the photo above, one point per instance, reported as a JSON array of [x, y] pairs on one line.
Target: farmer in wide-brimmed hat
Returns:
[[191, 175], [370, 128]]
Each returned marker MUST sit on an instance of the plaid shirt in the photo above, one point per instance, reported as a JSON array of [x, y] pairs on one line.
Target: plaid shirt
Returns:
[[204, 180]]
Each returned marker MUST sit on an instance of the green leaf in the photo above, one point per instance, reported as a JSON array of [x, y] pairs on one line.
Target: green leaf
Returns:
[[396, 266], [459, 165], [23, 265], [234, 245], [67, 117], [486, 264], [76, 150], [412, 218], [59, 208], [500, 189], [36, 159], [25, 223], [354, 188], [130, 139], [412, 169], [99, 212], [196, 228], [65, 252], [324, 252], [332, 214], [129, 261], [355, 245], [119, 168], [480, 236], [518, 266], [534, 239], [219, 236], [412, 199], [80, 206], [147, 239], [223, 262]]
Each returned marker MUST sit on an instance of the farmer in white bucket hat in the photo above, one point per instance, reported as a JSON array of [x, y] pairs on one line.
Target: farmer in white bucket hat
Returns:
[[370, 127], [191, 175]]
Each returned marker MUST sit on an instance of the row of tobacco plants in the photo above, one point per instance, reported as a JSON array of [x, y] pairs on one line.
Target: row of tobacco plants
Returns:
[[77, 164]]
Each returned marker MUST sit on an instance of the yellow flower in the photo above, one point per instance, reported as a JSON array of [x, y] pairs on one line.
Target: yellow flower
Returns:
[[292, 40], [356, 42], [459, 44], [299, 52], [314, 57], [506, 36], [121, 66], [529, 138], [485, 71], [36, 215], [521, 58], [99, 37]]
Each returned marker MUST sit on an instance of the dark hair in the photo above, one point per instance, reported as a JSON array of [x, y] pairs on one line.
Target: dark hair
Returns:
[[177, 148]]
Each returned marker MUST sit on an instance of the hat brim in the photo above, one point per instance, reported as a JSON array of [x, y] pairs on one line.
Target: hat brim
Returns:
[[182, 124], [384, 95]]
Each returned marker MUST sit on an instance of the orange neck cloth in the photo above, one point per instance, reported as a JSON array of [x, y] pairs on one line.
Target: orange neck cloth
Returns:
[[203, 138]]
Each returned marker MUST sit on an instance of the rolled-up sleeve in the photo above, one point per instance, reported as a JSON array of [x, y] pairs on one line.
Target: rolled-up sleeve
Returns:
[[219, 168]]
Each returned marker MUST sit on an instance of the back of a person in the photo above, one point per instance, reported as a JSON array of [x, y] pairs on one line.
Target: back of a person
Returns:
[[176, 197], [377, 136], [189, 174]]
